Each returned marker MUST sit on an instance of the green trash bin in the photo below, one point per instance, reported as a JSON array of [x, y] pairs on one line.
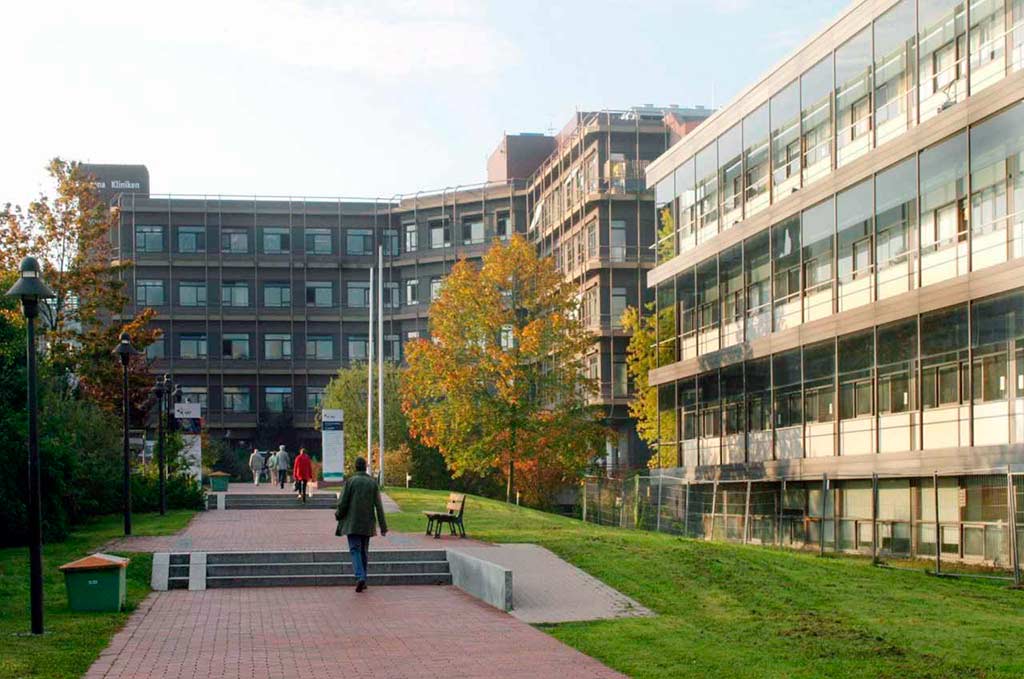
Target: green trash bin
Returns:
[[96, 583], [219, 481]]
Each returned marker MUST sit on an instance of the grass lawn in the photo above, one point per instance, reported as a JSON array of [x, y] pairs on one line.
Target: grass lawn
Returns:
[[72, 640], [726, 610]]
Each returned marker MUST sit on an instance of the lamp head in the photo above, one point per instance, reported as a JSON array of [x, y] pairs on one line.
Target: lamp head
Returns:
[[30, 287], [124, 349]]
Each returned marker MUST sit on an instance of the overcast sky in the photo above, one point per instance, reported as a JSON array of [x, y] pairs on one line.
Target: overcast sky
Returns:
[[332, 98]]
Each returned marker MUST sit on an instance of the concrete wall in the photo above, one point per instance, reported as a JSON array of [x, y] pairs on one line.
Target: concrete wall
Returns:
[[486, 581]]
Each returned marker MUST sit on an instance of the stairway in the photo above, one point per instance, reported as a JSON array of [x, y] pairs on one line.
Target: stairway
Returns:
[[283, 500], [287, 569]]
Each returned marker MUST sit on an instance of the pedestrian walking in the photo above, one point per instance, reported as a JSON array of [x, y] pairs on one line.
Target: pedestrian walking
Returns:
[[272, 465], [256, 466], [356, 511], [284, 465], [303, 473]]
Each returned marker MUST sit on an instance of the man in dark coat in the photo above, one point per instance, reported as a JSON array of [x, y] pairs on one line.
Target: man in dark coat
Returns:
[[355, 515]]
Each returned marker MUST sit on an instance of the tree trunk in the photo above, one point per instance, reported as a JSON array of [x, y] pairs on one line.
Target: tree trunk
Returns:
[[511, 465]]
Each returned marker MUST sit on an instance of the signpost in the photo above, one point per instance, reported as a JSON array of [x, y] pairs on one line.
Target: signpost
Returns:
[[190, 423], [332, 431]]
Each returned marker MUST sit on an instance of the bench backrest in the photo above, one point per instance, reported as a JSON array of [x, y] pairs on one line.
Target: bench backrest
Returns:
[[456, 503]]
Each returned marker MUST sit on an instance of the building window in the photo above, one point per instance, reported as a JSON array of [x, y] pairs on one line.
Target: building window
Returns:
[[359, 242], [618, 306], [440, 234], [473, 230], [391, 297], [617, 251], [191, 239], [503, 226], [237, 399], [318, 242], [392, 348], [149, 292], [234, 294], [412, 335], [319, 293], [412, 291], [278, 399], [149, 238], [410, 236], [277, 346], [277, 295], [435, 288], [276, 240], [156, 349], [507, 338], [389, 238], [620, 378], [195, 395], [192, 293], [358, 348], [358, 294], [192, 345], [314, 398], [235, 345], [320, 348], [234, 241]]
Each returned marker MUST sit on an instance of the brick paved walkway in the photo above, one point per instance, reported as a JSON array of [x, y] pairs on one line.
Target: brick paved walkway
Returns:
[[330, 632]]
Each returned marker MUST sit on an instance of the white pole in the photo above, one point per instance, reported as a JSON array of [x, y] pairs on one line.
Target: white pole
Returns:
[[369, 383], [380, 361]]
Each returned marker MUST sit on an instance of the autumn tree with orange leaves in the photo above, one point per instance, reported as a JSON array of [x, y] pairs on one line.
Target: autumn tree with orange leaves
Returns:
[[70, 235], [500, 385]]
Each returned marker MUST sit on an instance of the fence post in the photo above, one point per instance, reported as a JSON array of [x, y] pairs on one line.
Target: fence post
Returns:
[[636, 501], [661, 481], [1011, 510], [821, 524], [584, 499], [714, 505], [874, 519], [686, 511], [746, 516], [600, 509], [938, 526]]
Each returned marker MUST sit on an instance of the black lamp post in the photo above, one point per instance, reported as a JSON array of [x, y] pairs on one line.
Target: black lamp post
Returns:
[[124, 351], [159, 389], [30, 288]]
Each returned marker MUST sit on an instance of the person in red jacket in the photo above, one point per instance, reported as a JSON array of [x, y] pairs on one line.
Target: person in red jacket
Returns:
[[302, 473]]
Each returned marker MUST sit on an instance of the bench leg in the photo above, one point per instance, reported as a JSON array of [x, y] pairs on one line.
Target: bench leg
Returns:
[[462, 530], [430, 525], [437, 530]]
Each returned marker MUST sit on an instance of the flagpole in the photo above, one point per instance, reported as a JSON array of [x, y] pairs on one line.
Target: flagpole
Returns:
[[369, 383], [380, 361]]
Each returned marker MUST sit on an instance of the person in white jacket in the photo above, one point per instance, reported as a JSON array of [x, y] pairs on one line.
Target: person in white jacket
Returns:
[[284, 465], [256, 465], [272, 466]]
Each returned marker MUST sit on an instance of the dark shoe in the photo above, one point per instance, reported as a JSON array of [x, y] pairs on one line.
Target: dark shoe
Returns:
[[361, 585]]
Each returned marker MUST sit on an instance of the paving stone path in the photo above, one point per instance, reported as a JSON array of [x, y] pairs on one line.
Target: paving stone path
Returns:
[[329, 632]]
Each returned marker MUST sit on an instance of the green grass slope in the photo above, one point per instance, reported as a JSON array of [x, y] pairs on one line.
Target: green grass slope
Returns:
[[726, 610]]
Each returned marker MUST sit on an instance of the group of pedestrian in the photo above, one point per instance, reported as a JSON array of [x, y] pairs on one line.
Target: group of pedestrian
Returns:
[[277, 466]]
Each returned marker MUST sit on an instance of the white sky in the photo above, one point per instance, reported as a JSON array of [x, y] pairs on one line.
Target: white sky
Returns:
[[351, 98]]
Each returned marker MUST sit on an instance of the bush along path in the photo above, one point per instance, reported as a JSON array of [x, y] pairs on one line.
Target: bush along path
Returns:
[[72, 640]]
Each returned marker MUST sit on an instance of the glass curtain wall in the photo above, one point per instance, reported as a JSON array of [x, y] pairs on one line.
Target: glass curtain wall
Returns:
[[785, 246], [667, 426], [945, 378], [731, 289], [757, 265], [734, 426], [686, 391], [817, 229], [709, 415], [758, 375], [896, 228], [686, 209], [708, 307], [666, 331], [898, 419], [856, 393], [785, 121], [996, 331], [819, 397], [895, 100], [997, 188], [730, 176], [943, 219], [855, 259], [853, 98], [816, 87], [707, 193], [686, 298], [666, 247], [942, 48], [787, 396], [755, 161]]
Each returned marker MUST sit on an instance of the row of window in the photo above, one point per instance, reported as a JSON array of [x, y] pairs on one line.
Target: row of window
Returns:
[[278, 294], [913, 62], [239, 399], [276, 346], [902, 386], [955, 207], [276, 240], [575, 250]]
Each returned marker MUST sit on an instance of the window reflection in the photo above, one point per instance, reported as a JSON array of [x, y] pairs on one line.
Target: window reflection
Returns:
[[755, 159], [785, 117], [816, 88], [730, 176], [853, 98], [895, 95], [942, 63]]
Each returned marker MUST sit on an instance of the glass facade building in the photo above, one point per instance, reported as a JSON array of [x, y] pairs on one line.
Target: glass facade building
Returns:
[[842, 299]]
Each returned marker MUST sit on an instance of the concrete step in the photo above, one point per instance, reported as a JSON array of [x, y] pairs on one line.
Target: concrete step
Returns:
[[218, 582], [332, 556], [329, 568]]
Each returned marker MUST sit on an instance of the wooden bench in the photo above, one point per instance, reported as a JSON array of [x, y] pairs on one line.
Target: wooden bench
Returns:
[[451, 516]]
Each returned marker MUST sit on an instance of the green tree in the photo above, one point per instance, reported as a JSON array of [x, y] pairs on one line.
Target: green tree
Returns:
[[641, 358], [501, 382]]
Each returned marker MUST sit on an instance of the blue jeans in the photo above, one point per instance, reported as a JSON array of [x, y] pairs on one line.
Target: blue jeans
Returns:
[[358, 547]]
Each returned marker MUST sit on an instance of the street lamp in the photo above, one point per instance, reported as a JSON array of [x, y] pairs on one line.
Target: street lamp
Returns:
[[124, 351], [30, 288], [159, 389]]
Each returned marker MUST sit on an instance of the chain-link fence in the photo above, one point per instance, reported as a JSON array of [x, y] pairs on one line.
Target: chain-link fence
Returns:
[[979, 519]]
